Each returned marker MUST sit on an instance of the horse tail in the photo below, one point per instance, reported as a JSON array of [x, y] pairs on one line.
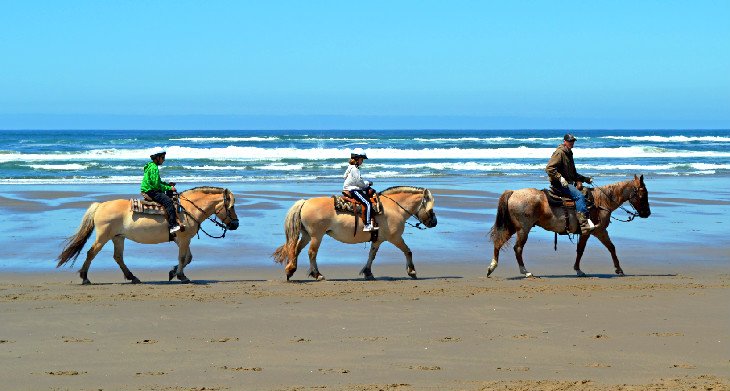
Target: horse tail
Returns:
[[76, 242], [292, 230], [503, 227]]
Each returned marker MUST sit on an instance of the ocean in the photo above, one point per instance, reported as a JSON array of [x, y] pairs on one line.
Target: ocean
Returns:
[[117, 156], [48, 179]]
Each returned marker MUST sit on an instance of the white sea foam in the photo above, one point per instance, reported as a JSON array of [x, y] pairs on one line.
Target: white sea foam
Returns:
[[234, 153], [71, 166], [224, 139]]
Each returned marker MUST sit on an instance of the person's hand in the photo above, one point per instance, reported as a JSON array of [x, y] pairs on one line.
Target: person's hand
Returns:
[[563, 182], [173, 188], [370, 183], [589, 180]]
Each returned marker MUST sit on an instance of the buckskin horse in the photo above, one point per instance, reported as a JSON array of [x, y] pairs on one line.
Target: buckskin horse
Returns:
[[519, 210], [313, 218], [115, 221]]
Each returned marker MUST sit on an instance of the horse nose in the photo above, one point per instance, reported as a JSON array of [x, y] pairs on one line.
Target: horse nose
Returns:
[[233, 225], [434, 222]]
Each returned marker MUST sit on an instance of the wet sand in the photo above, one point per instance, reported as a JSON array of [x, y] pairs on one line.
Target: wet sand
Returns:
[[240, 326]]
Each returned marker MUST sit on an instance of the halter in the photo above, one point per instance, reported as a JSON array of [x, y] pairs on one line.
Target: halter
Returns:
[[632, 215], [415, 214], [213, 218]]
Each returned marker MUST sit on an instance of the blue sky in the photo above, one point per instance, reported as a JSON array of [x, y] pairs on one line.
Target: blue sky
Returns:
[[385, 64]]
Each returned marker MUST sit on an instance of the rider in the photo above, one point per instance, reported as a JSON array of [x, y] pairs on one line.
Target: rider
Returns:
[[358, 187], [563, 177], [157, 190]]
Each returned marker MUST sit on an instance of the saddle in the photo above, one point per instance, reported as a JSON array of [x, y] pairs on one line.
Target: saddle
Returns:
[[147, 206], [347, 204], [557, 198]]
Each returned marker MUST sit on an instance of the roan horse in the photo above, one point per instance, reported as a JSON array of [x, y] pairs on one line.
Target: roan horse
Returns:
[[114, 220], [518, 211], [315, 217]]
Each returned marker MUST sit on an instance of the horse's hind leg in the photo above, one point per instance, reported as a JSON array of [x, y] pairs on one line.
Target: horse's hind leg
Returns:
[[313, 248], [603, 237], [291, 266], [119, 257], [95, 248], [410, 268], [367, 271], [579, 254], [519, 246]]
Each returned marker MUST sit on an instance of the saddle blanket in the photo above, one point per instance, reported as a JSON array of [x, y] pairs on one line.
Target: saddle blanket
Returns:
[[348, 204], [146, 207]]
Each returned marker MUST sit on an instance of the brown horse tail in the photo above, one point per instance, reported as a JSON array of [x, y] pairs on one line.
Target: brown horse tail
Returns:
[[292, 229], [76, 242], [503, 227]]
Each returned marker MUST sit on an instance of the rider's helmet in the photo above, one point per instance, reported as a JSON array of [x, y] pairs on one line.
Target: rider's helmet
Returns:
[[357, 153], [157, 153]]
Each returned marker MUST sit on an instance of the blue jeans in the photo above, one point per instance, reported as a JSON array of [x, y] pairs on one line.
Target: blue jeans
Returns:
[[578, 197]]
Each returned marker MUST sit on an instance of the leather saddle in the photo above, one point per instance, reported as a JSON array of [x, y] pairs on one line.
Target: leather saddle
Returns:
[[557, 198]]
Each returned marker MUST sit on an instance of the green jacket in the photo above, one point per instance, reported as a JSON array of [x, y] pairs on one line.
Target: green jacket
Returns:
[[151, 180]]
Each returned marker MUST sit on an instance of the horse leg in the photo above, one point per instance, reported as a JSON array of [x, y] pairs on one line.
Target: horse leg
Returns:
[[495, 255], [579, 254], [182, 256], [95, 248], [291, 266], [313, 248], [366, 271], [603, 237], [410, 268], [521, 240], [118, 256]]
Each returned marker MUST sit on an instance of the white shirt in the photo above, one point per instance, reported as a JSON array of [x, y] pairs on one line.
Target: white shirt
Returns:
[[353, 180]]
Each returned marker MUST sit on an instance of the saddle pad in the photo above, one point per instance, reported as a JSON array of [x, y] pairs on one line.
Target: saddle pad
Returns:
[[146, 207]]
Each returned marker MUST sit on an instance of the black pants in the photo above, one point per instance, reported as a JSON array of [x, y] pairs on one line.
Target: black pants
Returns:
[[162, 198], [361, 196]]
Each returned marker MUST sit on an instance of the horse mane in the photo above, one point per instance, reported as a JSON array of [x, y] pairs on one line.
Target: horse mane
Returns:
[[613, 189], [206, 189], [402, 189]]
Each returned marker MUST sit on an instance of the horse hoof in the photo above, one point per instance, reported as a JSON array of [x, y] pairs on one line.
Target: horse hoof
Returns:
[[171, 274], [370, 277], [320, 277], [580, 273], [184, 280], [136, 280], [86, 282], [620, 273], [529, 275], [489, 271]]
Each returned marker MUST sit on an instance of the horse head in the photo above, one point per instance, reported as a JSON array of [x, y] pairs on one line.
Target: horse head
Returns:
[[639, 199], [425, 213], [227, 211]]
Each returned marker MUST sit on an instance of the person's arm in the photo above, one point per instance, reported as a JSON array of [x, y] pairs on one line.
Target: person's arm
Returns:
[[152, 176], [552, 166]]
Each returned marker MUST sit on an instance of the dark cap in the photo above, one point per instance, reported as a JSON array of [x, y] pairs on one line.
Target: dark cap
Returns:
[[158, 154], [569, 137]]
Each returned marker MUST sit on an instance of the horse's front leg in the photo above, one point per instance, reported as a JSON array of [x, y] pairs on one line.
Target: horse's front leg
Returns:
[[603, 237], [579, 254], [367, 271], [410, 268], [119, 258]]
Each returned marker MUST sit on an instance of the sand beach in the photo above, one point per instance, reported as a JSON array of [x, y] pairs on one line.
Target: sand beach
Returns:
[[240, 326]]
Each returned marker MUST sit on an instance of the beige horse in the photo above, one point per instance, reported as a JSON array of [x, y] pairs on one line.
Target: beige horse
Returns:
[[315, 217], [114, 220], [519, 210]]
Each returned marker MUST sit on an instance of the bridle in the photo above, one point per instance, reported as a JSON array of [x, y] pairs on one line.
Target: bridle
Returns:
[[214, 216], [414, 214], [632, 214]]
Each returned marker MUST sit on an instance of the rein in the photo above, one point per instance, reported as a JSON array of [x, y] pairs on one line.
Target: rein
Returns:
[[418, 224], [213, 219], [632, 215]]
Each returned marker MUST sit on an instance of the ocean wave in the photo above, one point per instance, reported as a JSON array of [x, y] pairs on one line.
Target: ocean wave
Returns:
[[72, 166], [671, 139], [234, 153]]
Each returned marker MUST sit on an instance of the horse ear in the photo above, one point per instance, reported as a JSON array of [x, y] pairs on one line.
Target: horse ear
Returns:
[[641, 179]]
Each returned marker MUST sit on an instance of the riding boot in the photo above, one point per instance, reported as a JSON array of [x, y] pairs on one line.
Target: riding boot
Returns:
[[586, 225]]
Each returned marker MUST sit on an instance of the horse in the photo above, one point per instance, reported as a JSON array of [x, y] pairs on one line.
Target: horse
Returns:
[[313, 218], [114, 220], [519, 210]]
